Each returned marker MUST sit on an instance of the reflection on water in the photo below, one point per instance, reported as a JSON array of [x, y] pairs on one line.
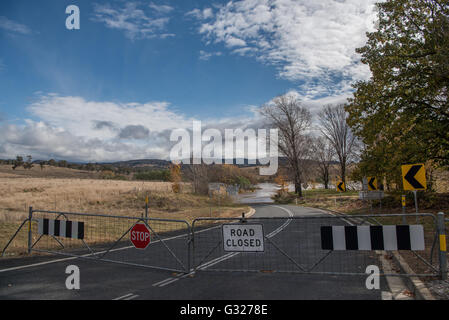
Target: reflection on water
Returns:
[[266, 191], [261, 195]]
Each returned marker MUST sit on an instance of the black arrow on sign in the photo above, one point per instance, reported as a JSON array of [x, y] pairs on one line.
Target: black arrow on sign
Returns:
[[340, 186], [373, 187], [410, 177]]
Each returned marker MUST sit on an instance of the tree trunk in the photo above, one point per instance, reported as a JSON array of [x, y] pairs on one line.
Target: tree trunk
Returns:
[[326, 179], [298, 189], [343, 172]]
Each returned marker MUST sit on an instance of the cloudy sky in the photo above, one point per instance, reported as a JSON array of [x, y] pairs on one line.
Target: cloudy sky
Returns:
[[136, 70]]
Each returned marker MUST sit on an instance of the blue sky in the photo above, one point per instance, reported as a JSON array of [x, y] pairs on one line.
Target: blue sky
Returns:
[[156, 65]]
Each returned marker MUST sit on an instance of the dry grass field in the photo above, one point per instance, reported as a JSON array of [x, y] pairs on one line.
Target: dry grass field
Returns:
[[64, 190]]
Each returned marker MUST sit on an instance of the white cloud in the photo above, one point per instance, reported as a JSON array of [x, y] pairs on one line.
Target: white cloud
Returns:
[[134, 21], [13, 26], [43, 141], [134, 132], [75, 129], [207, 13], [161, 8], [81, 117], [200, 14], [234, 42], [312, 42], [207, 55]]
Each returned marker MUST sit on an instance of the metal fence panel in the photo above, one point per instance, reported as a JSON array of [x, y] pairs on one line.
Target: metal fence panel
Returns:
[[107, 238], [293, 244]]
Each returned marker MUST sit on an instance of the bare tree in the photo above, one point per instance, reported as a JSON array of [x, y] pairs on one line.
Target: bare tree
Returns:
[[323, 153], [199, 174], [339, 134], [292, 120]]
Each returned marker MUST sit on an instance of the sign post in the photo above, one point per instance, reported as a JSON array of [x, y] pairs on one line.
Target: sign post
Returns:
[[414, 179], [341, 187], [404, 220], [146, 207]]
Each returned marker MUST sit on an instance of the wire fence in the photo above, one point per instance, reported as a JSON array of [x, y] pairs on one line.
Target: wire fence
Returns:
[[288, 244], [294, 244], [107, 238]]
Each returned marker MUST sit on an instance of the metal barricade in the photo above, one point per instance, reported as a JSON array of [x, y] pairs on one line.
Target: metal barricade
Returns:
[[106, 238], [294, 244], [287, 244]]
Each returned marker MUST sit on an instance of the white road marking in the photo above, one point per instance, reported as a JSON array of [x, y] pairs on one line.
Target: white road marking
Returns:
[[122, 297], [91, 254], [37, 264], [61, 260], [393, 282], [215, 261], [201, 267]]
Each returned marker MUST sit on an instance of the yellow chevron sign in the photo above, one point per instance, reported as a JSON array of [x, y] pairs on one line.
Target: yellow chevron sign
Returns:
[[414, 176], [372, 183], [341, 186]]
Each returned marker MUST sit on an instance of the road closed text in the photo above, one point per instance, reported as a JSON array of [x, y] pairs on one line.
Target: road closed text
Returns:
[[243, 237]]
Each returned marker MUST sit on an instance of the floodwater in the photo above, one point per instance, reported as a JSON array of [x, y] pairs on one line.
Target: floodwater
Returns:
[[265, 191], [262, 195]]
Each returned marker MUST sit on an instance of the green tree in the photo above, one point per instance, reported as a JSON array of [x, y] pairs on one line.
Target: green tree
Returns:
[[402, 113], [29, 164], [62, 163], [18, 162]]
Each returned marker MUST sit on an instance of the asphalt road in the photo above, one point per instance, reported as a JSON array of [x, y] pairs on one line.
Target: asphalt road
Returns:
[[292, 244]]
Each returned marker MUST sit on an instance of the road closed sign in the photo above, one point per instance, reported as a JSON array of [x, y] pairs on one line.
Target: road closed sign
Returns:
[[243, 237], [140, 236]]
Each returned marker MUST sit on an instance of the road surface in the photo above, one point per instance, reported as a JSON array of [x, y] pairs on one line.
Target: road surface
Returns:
[[44, 277]]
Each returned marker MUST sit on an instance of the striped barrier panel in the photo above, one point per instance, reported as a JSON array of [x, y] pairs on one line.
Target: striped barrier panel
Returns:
[[387, 237], [61, 228]]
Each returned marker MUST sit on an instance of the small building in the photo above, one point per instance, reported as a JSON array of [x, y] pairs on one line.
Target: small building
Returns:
[[222, 189]]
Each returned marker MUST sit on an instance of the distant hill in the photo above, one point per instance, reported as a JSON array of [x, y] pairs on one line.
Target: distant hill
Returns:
[[165, 163], [139, 163]]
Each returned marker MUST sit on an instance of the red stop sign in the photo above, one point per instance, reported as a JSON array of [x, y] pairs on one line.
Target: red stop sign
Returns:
[[140, 236]]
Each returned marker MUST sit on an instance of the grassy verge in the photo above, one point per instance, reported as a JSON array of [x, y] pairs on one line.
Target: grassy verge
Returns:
[[117, 198]]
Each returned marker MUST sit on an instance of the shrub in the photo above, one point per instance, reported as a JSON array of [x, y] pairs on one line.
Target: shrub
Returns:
[[283, 197], [244, 183], [153, 175]]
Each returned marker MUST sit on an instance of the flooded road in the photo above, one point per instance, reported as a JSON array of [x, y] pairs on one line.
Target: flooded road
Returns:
[[266, 191], [261, 195]]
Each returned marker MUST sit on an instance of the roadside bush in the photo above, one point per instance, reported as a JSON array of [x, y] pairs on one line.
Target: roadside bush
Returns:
[[244, 183], [153, 175], [283, 197], [426, 200]]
